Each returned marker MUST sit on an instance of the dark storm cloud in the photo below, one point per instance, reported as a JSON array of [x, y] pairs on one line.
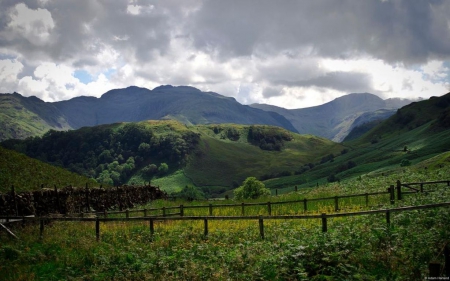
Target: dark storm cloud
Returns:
[[84, 28], [397, 30]]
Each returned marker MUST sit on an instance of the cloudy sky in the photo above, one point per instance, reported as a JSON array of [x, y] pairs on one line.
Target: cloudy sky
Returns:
[[286, 53]]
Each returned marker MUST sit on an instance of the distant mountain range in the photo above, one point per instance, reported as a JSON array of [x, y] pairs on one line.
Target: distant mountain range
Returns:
[[22, 117], [334, 120]]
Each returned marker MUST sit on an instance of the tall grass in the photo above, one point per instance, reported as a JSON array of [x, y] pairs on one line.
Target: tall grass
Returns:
[[354, 248]]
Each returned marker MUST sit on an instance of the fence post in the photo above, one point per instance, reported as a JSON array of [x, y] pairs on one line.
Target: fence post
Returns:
[[421, 187], [296, 189], [305, 204], [392, 194], [399, 190], [261, 227], [388, 218], [57, 199], [87, 198], [243, 211], [127, 213], [447, 260], [164, 211], [210, 209], [105, 214], [118, 199], [152, 229], [435, 269], [13, 192], [269, 208], [336, 203], [41, 229], [181, 210], [206, 227], [97, 229], [145, 212], [324, 223], [367, 199]]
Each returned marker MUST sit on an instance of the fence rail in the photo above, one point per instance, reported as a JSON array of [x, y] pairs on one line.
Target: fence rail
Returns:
[[151, 219], [243, 205], [391, 191]]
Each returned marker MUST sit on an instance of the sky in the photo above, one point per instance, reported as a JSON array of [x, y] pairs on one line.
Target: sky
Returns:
[[288, 53]]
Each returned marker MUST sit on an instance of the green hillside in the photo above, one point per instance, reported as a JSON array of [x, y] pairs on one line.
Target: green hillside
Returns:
[[25, 173], [224, 162], [416, 132], [22, 117], [172, 155]]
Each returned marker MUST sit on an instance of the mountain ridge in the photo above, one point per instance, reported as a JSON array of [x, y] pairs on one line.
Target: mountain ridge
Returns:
[[189, 105], [335, 119]]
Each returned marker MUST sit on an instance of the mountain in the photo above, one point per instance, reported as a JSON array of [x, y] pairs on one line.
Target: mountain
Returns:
[[415, 133], [335, 119], [433, 113], [22, 117], [31, 116]]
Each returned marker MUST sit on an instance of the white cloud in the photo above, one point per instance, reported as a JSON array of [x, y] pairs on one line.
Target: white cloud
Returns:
[[294, 55], [9, 69], [34, 25]]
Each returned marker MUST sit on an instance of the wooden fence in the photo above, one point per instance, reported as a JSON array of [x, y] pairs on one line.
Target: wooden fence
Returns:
[[392, 191], [260, 219]]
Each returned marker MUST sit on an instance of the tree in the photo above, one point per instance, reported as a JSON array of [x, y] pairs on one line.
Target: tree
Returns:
[[150, 170], [191, 193], [163, 169], [251, 189]]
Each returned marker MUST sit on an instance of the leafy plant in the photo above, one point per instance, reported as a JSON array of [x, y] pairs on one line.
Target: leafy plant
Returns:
[[251, 189]]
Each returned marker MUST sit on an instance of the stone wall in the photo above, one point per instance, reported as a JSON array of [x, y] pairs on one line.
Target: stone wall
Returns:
[[75, 200]]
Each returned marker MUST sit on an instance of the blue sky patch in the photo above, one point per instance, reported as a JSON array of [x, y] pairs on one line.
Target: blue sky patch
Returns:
[[83, 76]]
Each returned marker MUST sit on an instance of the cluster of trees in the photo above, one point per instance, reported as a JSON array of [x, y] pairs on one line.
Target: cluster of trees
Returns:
[[268, 138], [110, 153], [230, 133]]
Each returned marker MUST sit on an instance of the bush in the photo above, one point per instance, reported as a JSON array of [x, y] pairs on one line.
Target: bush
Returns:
[[405, 162], [190, 193], [150, 170], [163, 169], [251, 189]]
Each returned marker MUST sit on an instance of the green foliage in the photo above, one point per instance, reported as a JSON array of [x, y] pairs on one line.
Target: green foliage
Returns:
[[163, 169], [150, 170], [251, 189], [190, 193], [100, 152], [405, 162], [268, 138]]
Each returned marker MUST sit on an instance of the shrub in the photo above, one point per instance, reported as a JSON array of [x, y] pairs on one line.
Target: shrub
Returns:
[[191, 193], [251, 189], [405, 162], [163, 169]]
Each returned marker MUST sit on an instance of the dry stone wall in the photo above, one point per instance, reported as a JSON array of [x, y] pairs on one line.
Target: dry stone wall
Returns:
[[75, 200]]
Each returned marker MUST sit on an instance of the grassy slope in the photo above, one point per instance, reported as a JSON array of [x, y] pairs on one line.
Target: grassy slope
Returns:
[[27, 174], [19, 118], [421, 127], [222, 161]]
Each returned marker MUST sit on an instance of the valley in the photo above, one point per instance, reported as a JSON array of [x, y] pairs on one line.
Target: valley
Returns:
[[368, 234]]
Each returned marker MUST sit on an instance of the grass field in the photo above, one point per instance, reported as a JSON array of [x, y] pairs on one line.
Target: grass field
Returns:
[[354, 248]]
